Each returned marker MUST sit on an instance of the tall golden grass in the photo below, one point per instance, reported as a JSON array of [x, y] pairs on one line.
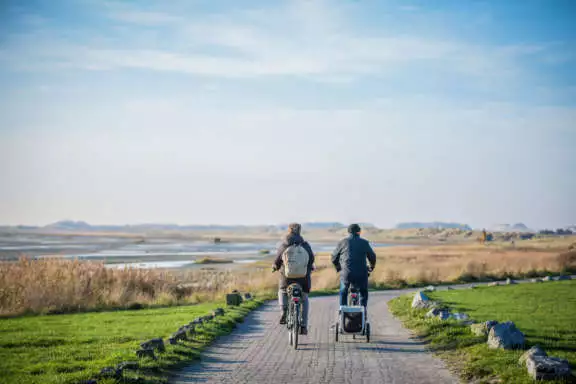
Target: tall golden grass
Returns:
[[55, 285]]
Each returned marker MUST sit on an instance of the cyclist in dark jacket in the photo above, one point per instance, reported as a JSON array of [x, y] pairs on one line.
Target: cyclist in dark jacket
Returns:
[[349, 258], [294, 237]]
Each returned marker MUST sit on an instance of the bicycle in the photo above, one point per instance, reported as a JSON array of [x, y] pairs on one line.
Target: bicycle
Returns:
[[294, 313], [293, 320]]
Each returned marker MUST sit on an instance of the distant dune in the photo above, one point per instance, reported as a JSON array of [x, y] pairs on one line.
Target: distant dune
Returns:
[[435, 224]]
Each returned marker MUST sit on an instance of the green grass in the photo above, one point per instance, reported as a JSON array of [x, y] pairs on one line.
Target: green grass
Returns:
[[546, 313], [74, 347]]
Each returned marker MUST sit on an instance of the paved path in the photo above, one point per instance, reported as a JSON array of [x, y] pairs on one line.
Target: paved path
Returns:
[[258, 351]]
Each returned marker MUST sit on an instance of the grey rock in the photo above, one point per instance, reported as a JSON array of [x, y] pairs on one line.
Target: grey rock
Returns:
[[180, 335], [440, 314], [490, 324], [421, 301], [157, 344], [482, 329], [233, 299], [505, 336], [141, 353], [548, 368], [534, 351]]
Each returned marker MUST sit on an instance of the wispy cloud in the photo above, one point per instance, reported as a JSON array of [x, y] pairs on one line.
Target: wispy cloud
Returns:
[[300, 39]]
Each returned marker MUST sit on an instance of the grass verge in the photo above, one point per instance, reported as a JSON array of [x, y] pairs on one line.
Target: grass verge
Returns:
[[546, 313], [75, 347]]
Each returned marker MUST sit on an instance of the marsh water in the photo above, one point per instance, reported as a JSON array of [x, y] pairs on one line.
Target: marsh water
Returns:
[[149, 253]]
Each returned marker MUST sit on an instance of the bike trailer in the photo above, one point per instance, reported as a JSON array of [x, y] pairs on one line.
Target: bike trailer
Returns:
[[352, 319]]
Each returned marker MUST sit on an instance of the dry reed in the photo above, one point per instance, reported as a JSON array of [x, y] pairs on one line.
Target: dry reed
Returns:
[[62, 285]]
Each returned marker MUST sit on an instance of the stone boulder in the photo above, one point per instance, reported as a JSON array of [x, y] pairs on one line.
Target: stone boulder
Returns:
[[421, 301], [548, 368], [180, 335], [233, 299], [482, 329], [157, 344], [505, 336], [534, 351], [141, 353], [440, 314]]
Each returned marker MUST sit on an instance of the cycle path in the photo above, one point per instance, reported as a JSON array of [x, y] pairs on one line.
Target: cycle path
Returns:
[[258, 351]]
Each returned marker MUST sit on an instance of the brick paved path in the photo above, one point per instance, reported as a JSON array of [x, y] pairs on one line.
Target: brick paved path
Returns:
[[258, 352]]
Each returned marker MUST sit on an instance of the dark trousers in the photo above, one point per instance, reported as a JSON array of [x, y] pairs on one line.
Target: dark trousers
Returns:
[[360, 284]]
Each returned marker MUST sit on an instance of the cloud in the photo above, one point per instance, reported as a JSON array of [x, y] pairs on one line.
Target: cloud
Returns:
[[306, 39]]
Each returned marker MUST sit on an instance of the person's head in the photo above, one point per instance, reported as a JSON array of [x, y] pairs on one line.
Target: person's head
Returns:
[[294, 229], [354, 229]]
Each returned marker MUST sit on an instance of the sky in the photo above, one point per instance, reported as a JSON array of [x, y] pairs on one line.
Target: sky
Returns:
[[263, 112]]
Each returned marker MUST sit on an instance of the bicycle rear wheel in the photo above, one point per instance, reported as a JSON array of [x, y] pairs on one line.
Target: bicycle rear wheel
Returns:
[[296, 326]]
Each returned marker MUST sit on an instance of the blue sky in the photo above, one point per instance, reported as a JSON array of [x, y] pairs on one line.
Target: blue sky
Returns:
[[264, 112]]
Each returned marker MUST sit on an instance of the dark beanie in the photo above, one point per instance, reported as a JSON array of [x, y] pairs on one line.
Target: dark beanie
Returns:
[[354, 228], [294, 228]]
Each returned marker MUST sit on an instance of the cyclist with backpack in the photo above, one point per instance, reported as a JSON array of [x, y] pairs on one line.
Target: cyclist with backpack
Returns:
[[349, 258], [294, 259]]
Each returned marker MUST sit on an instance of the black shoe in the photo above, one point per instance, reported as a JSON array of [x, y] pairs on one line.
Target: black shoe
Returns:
[[303, 330], [283, 318]]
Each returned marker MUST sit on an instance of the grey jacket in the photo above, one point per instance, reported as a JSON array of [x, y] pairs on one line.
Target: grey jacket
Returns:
[[350, 256]]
